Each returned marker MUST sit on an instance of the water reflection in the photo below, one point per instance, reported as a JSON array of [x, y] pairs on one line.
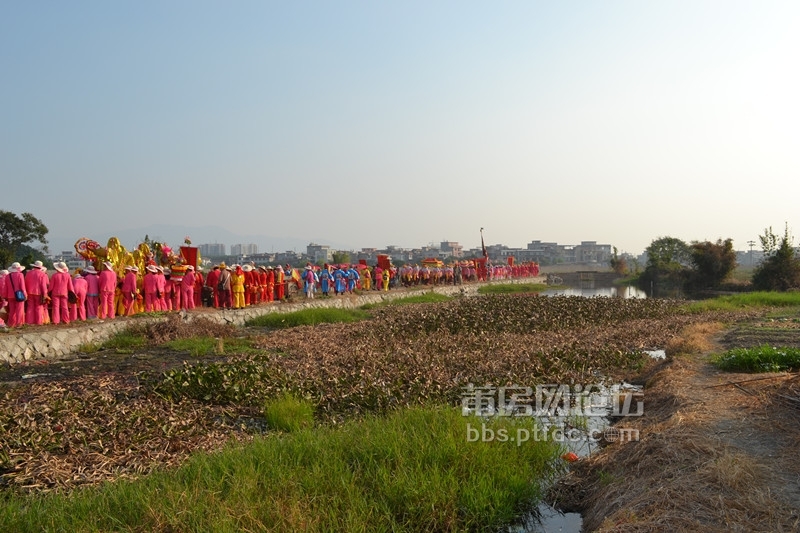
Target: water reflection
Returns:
[[617, 291]]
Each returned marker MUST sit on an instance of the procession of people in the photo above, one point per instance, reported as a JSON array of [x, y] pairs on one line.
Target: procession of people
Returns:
[[31, 296]]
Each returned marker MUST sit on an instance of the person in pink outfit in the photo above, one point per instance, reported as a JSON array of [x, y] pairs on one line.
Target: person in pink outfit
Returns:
[[3, 303], [161, 288], [38, 286], [187, 288], [15, 281], [150, 285], [60, 287], [92, 292], [129, 290], [77, 310], [107, 285]]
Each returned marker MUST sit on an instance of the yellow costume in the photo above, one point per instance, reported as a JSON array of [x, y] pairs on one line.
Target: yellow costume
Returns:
[[237, 289]]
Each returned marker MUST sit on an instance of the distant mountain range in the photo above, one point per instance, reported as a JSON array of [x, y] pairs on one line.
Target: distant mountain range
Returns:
[[174, 236]]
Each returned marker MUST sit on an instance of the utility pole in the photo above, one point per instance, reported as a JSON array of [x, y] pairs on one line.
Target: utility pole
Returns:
[[751, 244]]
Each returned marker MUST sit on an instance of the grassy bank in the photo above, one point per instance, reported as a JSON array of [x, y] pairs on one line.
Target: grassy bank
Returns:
[[308, 317], [512, 288], [412, 471], [750, 299], [424, 298], [759, 359]]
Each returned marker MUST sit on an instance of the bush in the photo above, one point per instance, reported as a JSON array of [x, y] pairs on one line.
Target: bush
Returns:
[[288, 413]]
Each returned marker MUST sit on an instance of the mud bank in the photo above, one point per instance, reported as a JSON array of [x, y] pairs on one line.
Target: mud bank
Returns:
[[712, 456]]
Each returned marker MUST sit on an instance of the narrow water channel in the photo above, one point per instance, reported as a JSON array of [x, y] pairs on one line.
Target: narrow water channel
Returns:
[[620, 399]]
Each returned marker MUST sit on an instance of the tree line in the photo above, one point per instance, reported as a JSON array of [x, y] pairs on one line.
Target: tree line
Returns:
[[673, 265]]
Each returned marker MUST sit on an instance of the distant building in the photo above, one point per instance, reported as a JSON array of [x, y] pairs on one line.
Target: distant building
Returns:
[[591, 252], [244, 249], [212, 250], [451, 249], [72, 259], [319, 252], [551, 253], [289, 256]]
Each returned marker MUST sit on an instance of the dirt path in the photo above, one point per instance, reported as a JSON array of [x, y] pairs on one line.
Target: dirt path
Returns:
[[717, 451]]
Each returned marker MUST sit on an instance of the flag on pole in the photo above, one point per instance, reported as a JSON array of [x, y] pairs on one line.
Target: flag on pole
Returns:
[[483, 246]]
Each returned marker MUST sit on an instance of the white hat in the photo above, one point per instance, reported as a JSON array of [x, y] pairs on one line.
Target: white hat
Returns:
[[89, 270], [39, 265], [16, 267], [109, 265], [189, 267], [61, 266], [4, 272], [151, 268], [247, 268], [160, 268]]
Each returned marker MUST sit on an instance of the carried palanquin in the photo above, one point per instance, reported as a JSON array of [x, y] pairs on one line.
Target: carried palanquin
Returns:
[[115, 253]]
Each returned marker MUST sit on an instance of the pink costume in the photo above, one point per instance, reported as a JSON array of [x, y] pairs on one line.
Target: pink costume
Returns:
[[150, 292], [3, 275], [92, 294], [169, 293], [187, 290], [77, 311], [174, 292], [37, 284], [129, 291], [60, 285], [15, 281], [161, 287], [107, 284]]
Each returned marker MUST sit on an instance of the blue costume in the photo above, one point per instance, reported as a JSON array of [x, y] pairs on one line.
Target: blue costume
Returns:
[[352, 277], [325, 281], [339, 280]]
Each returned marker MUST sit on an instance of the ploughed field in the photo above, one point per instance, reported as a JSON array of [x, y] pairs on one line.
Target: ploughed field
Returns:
[[118, 413]]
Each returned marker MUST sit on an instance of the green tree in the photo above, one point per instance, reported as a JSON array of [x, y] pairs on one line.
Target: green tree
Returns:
[[712, 262], [618, 264], [668, 260], [18, 230], [780, 268], [341, 258]]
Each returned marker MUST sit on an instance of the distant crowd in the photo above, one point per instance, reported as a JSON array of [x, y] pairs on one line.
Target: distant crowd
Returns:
[[36, 297]]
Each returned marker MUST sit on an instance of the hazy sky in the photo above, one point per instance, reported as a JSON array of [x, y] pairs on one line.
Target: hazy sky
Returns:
[[375, 123]]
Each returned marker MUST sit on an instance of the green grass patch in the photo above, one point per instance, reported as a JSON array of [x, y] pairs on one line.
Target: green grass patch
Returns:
[[412, 471], [289, 413], [126, 341], [760, 359], [424, 298], [202, 346], [511, 288], [307, 317], [748, 299]]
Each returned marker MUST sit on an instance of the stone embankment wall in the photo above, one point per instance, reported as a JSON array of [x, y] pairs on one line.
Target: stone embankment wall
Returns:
[[54, 342]]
